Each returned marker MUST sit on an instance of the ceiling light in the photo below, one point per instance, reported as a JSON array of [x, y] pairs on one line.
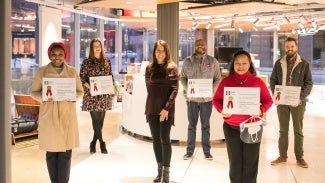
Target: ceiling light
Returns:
[[286, 19], [208, 25], [303, 18], [232, 25], [312, 30], [301, 26], [221, 25], [277, 26], [196, 24], [229, 29], [77, 7], [272, 27], [256, 21], [303, 31], [314, 24]]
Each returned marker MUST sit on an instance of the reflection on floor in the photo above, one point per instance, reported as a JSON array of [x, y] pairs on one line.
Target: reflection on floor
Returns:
[[131, 160]]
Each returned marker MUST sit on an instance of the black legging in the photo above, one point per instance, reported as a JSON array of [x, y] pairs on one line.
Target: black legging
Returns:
[[160, 132], [58, 166], [97, 121]]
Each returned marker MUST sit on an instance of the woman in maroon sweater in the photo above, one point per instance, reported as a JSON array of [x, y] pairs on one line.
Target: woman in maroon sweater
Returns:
[[162, 88], [243, 158]]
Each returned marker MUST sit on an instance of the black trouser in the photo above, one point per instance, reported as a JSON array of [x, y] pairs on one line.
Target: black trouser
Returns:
[[243, 158], [58, 166], [97, 121], [160, 132]]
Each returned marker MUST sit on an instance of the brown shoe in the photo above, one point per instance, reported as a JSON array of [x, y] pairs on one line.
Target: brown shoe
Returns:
[[302, 163], [279, 161]]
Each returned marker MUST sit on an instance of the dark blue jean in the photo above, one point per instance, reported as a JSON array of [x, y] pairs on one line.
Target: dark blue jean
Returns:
[[194, 110]]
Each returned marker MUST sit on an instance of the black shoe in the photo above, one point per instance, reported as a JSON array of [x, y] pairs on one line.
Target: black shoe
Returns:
[[187, 156], [92, 147], [160, 172], [103, 148], [165, 174], [208, 156]]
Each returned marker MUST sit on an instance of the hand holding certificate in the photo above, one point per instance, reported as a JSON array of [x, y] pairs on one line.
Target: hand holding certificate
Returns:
[[59, 89], [101, 85], [286, 95], [241, 100], [199, 88]]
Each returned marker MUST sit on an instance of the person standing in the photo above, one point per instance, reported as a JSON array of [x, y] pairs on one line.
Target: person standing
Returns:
[[199, 66], [243, 158], [58, 130], [96, 65], [161, 77], [291, 70]]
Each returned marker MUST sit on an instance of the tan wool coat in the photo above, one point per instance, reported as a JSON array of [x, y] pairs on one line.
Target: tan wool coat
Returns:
[[58, 125]]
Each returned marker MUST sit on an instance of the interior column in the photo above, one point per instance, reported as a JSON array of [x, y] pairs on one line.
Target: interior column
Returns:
[[5, 75], [168, 26]]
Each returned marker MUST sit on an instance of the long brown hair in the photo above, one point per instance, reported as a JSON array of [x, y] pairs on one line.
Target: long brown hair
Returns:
[[102, 57], [168, 62]]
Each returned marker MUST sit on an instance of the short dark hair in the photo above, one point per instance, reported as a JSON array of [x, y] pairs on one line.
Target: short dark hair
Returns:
[[291, 39]]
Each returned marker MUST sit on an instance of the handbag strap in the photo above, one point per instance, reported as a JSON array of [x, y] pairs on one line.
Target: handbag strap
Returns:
[[241, 126]]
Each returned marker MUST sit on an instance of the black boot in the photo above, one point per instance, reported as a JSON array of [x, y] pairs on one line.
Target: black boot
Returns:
[[165, 174], [159, 176], [103, 147], [92, 146]]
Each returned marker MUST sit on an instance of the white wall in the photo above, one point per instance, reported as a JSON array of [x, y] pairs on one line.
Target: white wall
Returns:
[[50, 31]]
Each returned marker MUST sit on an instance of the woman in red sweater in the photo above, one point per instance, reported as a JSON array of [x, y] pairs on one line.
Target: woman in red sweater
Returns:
[[243, 158]]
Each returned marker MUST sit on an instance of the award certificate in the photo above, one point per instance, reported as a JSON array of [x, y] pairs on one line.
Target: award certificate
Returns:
[[199, 88], [286, 95], [241, 100], [60, 89], [101, 85]]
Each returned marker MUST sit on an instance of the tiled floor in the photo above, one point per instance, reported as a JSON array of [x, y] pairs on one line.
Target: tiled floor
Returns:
[[131, 160]]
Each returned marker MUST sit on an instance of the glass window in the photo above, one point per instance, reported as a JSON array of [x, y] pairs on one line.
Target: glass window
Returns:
[[318, 58], [68, 30], [132, 50], [109, 44], [88, 32], [23, 62]]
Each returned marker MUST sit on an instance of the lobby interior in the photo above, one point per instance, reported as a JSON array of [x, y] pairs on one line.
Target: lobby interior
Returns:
[[130, 157]]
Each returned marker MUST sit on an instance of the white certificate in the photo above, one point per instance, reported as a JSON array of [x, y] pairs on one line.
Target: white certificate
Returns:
[[59, 89], [199, 88], [286, 95], [101, 85], [241, 100]]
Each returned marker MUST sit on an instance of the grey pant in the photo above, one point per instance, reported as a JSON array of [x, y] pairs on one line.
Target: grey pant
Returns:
[[297, 114]]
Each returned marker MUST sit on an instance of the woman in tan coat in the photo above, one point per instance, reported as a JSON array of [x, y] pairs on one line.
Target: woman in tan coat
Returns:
[[58, 127]]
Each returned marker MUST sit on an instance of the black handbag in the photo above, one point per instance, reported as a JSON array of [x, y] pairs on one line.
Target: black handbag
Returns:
[[251, 132]]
